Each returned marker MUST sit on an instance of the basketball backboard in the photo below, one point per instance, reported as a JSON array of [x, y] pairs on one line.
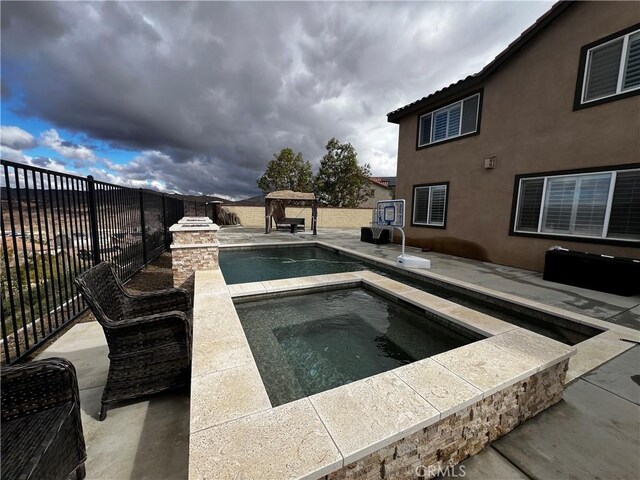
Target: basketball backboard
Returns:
[[390, 213]]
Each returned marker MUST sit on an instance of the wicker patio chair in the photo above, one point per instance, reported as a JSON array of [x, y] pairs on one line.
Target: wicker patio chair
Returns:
[[149, 335], [41, 428]]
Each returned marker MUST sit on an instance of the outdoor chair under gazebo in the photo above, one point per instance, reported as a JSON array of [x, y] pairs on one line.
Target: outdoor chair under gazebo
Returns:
[[275, 205], [149, 335]]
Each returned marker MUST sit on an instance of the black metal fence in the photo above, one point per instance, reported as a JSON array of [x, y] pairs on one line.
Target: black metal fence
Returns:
[[56, 225]]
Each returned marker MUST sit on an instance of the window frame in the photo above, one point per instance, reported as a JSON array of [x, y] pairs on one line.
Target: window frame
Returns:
[[444, 106], [446, 205], [614, 170], [579, 102]]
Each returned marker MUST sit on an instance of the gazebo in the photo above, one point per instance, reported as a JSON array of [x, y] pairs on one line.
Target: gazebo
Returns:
[[275, 205]]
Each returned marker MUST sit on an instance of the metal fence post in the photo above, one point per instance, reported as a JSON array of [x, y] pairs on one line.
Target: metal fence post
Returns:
[[165, 228], [145, 258], [93, 220]]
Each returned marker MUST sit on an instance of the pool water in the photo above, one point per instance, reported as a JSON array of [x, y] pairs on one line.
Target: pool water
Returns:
[[276, 263], [273, 263], [306, 344]]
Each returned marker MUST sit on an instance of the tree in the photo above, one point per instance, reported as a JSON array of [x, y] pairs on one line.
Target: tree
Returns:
[[287, 171], [341, 182]]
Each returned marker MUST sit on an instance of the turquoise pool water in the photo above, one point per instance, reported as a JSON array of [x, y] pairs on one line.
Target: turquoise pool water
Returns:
[[275, 263], [272, 263], [305, 344]]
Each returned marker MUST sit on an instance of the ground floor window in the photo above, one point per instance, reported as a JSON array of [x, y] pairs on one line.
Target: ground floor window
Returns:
[[430, 205], [602, 204]]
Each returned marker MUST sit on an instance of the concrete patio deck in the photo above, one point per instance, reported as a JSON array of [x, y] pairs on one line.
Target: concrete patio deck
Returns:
[[593, 433]]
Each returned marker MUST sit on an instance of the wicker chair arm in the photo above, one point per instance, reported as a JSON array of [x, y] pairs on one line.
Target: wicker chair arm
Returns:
[[150, 303], [38, 385], [148, 332], [150, 322]]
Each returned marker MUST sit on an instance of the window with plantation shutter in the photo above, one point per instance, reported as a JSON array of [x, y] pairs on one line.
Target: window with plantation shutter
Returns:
[[558, 205], [581, 205], [469, 121], [603, 69], [437, 205], [624, 221], [591, 205], [612, 68], [440, 125], [454, 120], [430, 205], [421, 205], [529, 204], [632, 68], [425, 129]]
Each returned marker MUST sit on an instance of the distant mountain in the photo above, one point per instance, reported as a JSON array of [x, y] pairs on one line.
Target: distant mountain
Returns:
[[257, 201], [200, 198]]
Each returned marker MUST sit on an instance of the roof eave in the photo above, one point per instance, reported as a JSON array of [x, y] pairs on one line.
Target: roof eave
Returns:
[[472, 81]]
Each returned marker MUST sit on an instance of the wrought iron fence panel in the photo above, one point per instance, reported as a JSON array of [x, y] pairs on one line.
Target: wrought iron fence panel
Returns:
[[55, 226]]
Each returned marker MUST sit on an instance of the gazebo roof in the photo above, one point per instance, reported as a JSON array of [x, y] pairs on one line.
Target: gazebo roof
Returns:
[[290, 195]]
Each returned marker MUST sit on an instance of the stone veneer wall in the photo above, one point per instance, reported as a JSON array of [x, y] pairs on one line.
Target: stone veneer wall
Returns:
[[185, 261], [193, 250], [466, 433]]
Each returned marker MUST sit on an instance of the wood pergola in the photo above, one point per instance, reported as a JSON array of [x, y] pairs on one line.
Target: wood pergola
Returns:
[[275, 205]]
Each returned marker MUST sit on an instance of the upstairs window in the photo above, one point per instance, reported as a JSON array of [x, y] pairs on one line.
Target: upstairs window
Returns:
[[430, 205], [454, 120], [598, 205], [612, 68]]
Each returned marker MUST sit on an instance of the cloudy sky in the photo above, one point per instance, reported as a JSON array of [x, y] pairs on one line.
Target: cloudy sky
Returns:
[[197, 97]]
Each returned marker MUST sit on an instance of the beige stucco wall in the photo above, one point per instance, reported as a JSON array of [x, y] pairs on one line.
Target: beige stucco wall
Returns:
[[529, 124], [327, 217]]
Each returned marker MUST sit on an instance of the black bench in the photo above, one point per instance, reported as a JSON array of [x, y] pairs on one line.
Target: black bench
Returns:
[[291, 224], [617, 275]]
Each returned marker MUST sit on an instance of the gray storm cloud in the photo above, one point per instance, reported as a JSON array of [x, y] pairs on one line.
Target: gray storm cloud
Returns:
[[208, 91]]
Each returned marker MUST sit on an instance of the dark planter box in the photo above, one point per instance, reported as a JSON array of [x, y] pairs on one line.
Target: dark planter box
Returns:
[[366, 235], [617, 275]]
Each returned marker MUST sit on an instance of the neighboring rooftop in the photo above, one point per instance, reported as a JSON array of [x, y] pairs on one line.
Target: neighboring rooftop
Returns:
[[388, 182]]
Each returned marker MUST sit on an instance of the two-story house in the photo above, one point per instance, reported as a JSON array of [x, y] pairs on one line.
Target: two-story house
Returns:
[[540, 148]]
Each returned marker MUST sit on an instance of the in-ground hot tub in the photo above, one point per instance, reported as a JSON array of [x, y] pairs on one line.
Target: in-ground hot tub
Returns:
[[308, 343], [432, 412]]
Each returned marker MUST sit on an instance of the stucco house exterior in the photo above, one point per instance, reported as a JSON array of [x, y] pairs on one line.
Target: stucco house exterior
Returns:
[[382, 190], [540, 148]]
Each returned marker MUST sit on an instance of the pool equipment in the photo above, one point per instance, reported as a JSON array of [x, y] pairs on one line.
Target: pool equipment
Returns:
[[390, 214]]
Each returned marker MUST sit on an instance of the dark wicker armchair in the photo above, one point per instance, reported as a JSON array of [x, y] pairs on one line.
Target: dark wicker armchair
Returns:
[[149, 335], [41, 428]]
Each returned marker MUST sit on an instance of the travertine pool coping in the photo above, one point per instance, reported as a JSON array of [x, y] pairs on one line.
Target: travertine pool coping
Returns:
[[235, 433]]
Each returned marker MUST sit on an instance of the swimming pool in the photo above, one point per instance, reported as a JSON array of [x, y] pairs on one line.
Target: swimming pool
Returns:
[[276, 263], [306, 344], [256, 264]]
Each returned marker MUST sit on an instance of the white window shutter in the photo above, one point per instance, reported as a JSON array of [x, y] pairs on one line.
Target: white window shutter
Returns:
[[438, 202], [558, 206], [632, 68], [591, 205]]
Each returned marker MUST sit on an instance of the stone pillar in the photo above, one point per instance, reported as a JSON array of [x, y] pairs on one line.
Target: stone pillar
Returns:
[[194, 247]]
